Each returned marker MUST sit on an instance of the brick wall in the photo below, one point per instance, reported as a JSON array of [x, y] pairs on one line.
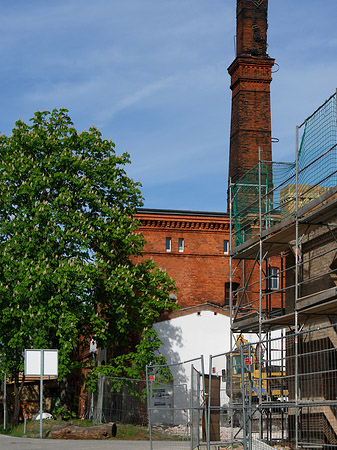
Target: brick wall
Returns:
[[251, 33], [250, 84], [319, 253], [202, 269]]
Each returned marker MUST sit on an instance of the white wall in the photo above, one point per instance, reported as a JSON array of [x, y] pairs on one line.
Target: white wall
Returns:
[[188, 337], [185, 338], [193, 335]]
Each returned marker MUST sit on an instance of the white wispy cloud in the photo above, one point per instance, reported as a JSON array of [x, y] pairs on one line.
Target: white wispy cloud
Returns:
[[152, 75]]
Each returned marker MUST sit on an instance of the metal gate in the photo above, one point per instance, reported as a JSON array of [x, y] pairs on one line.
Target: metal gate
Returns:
[[176, 405], [280, 390]]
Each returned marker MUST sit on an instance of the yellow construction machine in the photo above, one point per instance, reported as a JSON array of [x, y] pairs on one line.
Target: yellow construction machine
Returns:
[[247, 367]]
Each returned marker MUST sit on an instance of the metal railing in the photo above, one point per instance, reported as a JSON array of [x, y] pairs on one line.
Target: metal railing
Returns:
[[278, 394], [177, 407]]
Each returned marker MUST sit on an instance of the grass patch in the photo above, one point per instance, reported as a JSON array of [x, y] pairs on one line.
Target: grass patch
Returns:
[[33, 427], [124, 432], [141, 433]]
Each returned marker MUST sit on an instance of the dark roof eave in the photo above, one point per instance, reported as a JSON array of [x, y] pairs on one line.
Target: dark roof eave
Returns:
[[179, 212]]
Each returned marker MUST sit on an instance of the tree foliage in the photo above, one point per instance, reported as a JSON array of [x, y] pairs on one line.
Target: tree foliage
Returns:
[[69, 246]]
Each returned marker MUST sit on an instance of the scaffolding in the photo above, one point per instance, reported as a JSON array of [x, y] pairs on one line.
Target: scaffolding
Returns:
[[283, 254]]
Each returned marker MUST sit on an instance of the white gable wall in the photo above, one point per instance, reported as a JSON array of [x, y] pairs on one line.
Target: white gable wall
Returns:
[[185, 338], [190, 336]]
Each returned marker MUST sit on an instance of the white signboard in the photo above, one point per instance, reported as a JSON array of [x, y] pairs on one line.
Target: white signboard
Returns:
[[33, 362], [50, 360], [41, 362]]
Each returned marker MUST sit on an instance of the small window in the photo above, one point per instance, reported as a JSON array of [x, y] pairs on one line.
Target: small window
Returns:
[[273, 278], [168, 244], [181, 245], [227, 293], [226, 247], [237, 365], [235, 287]]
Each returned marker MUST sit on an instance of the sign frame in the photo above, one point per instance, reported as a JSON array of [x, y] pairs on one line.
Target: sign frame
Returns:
[[41, 362], [33, 362]]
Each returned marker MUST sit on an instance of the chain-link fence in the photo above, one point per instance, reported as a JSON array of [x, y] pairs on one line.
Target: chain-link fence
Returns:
[[177, 408], [121, 400], [271, 191], [280, 390]]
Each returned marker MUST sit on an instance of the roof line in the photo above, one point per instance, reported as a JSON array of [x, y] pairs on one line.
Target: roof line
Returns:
[[181, 212]]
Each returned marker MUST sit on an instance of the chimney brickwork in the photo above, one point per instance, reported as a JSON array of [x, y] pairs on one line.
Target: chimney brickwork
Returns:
[[250, 84]]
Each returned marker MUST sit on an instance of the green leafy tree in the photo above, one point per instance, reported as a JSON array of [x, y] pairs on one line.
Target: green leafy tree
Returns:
[[69, 251]]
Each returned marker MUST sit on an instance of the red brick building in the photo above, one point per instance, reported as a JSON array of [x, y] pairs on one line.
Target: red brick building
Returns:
[[193, 247]]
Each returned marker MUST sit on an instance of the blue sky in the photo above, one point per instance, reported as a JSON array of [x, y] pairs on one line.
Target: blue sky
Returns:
[[152, 75]]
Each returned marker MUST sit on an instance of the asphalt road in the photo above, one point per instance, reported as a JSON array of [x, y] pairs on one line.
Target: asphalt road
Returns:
[[8, 443]]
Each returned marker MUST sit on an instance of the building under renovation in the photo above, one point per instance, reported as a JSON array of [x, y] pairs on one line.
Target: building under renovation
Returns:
[[193, 247], [284, 226], [282, 388], [258, 284], [288, 211]]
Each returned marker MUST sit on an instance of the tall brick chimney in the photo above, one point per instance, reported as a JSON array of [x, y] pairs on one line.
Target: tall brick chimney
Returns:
[[250, 84]]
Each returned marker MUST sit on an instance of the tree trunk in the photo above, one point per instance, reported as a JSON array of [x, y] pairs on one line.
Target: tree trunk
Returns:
[[17, 401], [70, 431], [66, 397]]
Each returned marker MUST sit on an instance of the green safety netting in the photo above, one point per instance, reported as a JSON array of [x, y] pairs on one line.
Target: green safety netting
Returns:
[[276, 181]]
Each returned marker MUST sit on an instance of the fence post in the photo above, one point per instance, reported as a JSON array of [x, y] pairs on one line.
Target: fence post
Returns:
[[5, 401], [191, 406], [296, 290], [208, 403], [203, 387], [250, 411], [260, 289], [148, 406], [243, 399]]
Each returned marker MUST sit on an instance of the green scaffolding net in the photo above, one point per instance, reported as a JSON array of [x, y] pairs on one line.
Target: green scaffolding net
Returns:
[[268, 190]]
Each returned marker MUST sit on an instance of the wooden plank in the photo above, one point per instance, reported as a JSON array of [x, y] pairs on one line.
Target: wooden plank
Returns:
[[280, 321], [246, 324], [327, 308], [323, 214], [318, 297], [317, 201]]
